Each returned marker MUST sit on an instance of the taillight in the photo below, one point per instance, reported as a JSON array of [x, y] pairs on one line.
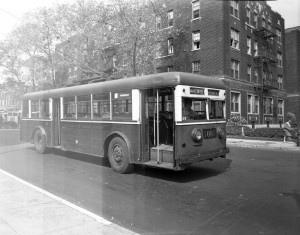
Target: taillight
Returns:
[[196, 135], [221, 132]]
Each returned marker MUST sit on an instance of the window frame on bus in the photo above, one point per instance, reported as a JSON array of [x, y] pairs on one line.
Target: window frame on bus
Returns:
[[130, 112], [198, 93], [42, 112]]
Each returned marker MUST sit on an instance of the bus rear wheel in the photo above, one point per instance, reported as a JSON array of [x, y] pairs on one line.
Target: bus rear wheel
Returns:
[[39, 141], [118, 155]]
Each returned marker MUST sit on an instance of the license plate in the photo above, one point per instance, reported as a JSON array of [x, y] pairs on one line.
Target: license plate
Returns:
[[209, 133]]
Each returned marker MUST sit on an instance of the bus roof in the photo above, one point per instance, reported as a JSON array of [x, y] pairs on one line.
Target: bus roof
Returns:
[[159, 80]]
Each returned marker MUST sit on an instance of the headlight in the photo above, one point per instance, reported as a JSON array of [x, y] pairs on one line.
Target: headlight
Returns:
[[221, 132], [196, 135]]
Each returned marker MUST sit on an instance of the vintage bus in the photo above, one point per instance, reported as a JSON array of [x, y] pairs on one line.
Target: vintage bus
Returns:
[[137, 120]]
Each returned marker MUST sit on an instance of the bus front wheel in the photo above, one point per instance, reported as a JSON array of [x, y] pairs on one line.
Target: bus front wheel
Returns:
[[118, 155], [39, 141]]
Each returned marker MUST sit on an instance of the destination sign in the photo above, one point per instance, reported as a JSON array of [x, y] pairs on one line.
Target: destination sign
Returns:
[[196, 91], [213, 92]]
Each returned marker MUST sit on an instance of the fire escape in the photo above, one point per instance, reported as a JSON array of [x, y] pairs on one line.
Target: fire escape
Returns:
[[264, 61]]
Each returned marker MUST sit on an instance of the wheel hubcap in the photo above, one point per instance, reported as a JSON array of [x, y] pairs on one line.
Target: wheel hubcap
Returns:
[[117, 154]]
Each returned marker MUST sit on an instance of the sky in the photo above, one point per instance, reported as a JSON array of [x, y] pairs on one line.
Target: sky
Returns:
[[12, 10]]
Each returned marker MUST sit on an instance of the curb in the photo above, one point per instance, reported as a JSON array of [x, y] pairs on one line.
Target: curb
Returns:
[[263, 144]]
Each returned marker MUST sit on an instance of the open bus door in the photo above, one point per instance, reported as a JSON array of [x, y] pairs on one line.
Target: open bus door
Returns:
[[158, 127], [145, 138], [56, 122]]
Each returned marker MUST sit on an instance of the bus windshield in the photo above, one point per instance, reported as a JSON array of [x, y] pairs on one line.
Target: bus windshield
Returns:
[[216, 109], [195, 109]]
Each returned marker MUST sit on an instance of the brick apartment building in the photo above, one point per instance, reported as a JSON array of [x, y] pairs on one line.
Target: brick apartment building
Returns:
[[292, 43], [241, 42]]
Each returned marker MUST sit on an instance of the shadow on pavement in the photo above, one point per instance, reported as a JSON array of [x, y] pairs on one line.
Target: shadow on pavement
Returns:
[[295, 195], [79, 157], [197, 171]]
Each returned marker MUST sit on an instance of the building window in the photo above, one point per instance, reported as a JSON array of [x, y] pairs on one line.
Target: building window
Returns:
[[170, 46], [196, 9], [158, 50], [255, 24], [235, 67], [70, 73], [263, 22], [278, 33], [255, 49], [196, 40], [234, 8], [279, 59], [158, 23], [196, 67], [255, 79], [269, 25], [280, 82], [253, 104], [264, 78], [114, 60], [170, 18], [170, 68], [235, 102], [268, 106], [248, 45], [249, 71], [248, 15], [234, 38], [280, 107]]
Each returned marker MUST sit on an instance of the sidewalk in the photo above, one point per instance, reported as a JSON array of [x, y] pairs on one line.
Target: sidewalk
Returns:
[[263, 144], [26, 209]]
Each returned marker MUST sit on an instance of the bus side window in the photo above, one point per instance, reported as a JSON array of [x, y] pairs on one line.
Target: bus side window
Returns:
[[101, 106], [35, 109], [84, 107], [122, 105], [25, 109], [69, 107], [44, 108]]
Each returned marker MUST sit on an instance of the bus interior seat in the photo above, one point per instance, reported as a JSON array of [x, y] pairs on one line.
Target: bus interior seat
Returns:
[[69, 115]]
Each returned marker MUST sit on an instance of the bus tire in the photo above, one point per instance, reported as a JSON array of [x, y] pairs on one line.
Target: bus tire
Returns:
[[118, 156], [39, 141]]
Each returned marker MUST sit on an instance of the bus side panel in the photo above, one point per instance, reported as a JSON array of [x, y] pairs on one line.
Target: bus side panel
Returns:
[[189, 151], [28, 126], [90, 137]]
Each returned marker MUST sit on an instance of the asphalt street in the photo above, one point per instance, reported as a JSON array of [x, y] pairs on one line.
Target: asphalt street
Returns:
[[254, 191]]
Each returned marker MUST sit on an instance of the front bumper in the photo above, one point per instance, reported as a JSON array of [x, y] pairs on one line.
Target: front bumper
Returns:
[[203, 156]]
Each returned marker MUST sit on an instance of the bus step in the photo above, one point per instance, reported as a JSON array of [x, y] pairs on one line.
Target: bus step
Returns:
[[165, 153], [165, 165]]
